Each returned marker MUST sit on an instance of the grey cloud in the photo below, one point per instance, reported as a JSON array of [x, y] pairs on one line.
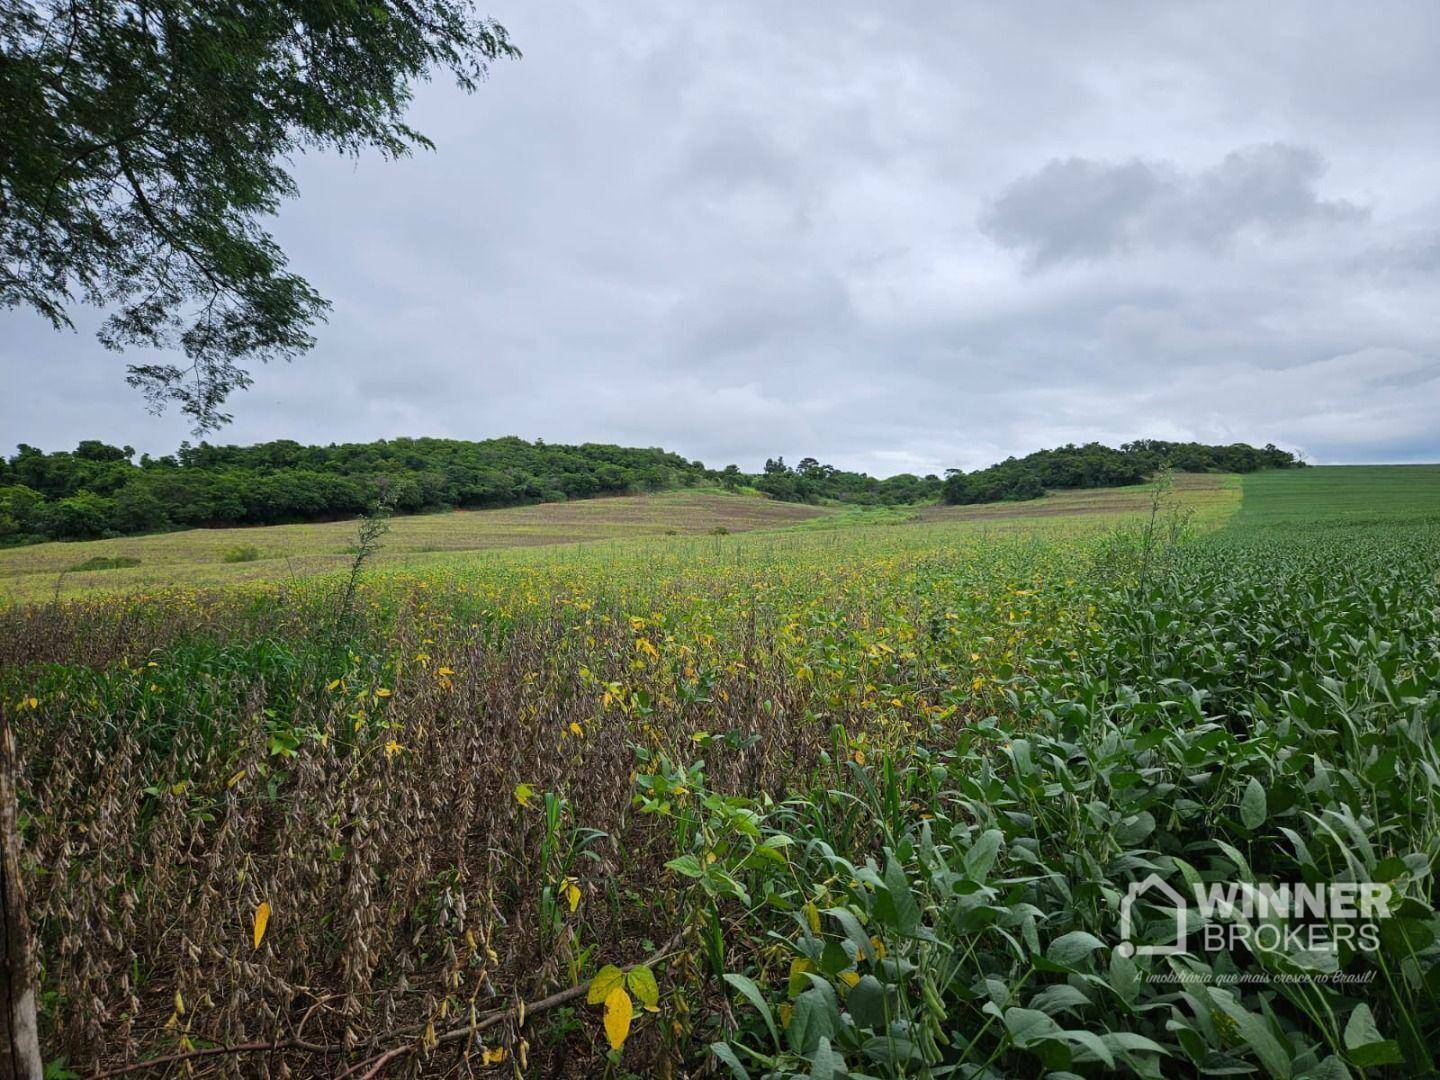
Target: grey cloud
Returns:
[[1403, 259], [1082, 209]]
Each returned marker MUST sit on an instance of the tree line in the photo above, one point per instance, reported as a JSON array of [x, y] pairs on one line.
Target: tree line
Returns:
[[1094, 465], [812, 482], [98, 490]]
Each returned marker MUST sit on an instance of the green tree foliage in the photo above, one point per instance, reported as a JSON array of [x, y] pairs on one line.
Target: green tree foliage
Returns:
[[98, 490], [20, 513], [812, 482], [1094, 465], [141, 144]]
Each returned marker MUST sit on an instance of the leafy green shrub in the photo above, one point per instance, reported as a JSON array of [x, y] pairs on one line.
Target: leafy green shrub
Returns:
[[241, 553]]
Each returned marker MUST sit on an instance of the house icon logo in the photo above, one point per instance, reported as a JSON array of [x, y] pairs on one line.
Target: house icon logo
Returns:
[[1156, 888]]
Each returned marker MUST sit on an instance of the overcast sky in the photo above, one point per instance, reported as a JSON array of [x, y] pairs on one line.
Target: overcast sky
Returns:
[[899, 241]]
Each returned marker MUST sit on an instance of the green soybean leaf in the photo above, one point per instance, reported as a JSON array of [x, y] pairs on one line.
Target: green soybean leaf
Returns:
[[1069, 949], [815, 1017], [1057, 998], [752, 994], [853, 930], [866, 1002], [1252, 805], [1364, 1045], [1257, 1035], [982, 853], [1028, 1026], [825, 1064], [723, 1053], [900, 903]]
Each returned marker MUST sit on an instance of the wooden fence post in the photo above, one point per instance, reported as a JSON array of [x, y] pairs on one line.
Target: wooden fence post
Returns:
[[19, 1037]]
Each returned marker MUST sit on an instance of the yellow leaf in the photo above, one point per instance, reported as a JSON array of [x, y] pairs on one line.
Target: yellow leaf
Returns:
[[179, 788], [382, 692], [523, 794], [606, 980], [332, 684], [492, 1057], [641, 981], [235, 779], [262, 920], [572, 894], [786, 1012], [812, 916], [577, 729], [618, 1011], [849, 978]]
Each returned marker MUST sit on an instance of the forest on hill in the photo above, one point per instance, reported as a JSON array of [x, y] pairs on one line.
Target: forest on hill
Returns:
[[99, 490], [1094, 465]]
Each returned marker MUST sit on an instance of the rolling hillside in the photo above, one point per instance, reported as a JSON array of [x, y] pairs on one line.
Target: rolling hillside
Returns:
[[199, 556]]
